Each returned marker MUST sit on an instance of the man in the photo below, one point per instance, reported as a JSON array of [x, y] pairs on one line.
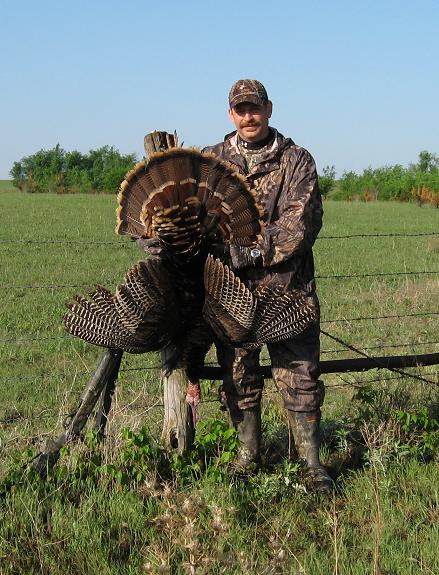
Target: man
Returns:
[[285, 180]]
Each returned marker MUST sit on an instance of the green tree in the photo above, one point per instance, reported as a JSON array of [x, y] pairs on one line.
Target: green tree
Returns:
[[427, 162], [18, 176], [327, 180]]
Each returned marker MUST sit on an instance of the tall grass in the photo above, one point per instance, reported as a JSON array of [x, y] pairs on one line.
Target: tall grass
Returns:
[[383, 519]]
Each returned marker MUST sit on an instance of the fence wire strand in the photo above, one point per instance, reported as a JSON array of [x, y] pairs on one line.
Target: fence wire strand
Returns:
[[19, 339], [16, 416], [89, 285], [125, 243]]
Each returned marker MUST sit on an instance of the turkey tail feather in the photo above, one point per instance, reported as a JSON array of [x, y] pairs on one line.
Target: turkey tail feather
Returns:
[[185, 197]]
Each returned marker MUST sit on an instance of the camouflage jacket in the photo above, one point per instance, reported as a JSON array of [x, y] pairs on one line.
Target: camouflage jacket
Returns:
[[285, 181]]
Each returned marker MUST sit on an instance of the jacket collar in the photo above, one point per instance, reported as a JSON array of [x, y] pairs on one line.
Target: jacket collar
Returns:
[[270, 162]]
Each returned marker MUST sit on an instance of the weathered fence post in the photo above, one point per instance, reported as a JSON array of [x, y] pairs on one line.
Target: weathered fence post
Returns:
[[104, 375], [178, 428]]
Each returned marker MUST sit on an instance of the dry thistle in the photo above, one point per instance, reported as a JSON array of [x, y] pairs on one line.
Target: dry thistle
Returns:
[[219, 523]]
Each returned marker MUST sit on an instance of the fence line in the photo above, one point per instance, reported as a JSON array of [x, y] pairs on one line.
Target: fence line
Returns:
[[83, 243], [125, 244], [390, 235], [146, 368], [19, 339], [51, 287], [341, 319], [377, 274], [47, 414], [390, 345]]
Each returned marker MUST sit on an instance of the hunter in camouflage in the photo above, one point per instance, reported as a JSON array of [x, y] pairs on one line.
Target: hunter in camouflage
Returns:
[[284, 177]]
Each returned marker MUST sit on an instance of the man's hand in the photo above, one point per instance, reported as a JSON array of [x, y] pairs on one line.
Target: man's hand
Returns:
[[245, 257]]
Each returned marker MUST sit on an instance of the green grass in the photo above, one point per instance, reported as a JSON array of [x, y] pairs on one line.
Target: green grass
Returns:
[[6, 186], [387, 509]]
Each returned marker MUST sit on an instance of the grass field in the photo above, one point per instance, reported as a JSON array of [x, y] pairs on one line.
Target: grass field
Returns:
[[385, 517], [6, 186]]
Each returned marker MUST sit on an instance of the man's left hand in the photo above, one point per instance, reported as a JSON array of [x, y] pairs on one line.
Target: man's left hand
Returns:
[[245, 257]]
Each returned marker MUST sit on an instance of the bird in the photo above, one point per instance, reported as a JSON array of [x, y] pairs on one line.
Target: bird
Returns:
[[249, 319], [189, 202]]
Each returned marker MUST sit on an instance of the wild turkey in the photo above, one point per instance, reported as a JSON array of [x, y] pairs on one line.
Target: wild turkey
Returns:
[[188, 201], [247, 319]]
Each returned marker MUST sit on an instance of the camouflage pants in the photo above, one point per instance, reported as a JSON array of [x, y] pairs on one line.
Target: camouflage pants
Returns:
[[295, 368]]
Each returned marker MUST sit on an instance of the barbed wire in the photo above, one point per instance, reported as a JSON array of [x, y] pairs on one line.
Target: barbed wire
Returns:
[[16, 416], [13, 417], [47, 286], [83, 243], [18, 339], [389, 235], [391, 345], [147, 368], [124, 244], [118, 280], [396, 316], [377, 274], [264, 361], [378, 361]]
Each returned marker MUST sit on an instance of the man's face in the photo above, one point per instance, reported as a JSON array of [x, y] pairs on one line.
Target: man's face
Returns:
[[251, 120]]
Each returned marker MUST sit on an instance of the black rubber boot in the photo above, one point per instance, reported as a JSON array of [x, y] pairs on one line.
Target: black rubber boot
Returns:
[[248, 424], [306, 432]]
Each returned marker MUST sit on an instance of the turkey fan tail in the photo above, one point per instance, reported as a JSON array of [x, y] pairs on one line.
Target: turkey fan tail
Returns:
[[133, 192], [234, 205], [281, 315], [186, 198], [140, 317], [229, 307]]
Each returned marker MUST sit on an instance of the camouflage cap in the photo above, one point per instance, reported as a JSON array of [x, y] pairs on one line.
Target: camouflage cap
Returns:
[[247, 91]]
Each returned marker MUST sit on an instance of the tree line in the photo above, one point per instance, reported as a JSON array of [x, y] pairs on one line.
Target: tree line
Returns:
[[58, 171], [103, 170], [419, 181]]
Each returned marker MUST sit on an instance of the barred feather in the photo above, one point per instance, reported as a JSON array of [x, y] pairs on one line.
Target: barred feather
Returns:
[[143, 314], [246, 319], [185, 197]]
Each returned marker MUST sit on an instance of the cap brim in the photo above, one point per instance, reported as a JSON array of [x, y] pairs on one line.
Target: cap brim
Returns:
[[250, 98]]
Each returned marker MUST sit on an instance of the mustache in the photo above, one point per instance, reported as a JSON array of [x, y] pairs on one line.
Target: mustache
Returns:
[[247, 124]]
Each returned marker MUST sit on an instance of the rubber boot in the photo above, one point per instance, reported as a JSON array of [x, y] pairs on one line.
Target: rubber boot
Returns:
[[306, 432], [248, 424]]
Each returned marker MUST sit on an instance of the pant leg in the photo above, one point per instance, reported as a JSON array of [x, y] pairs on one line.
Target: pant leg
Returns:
[[242, 383], [296, 370]]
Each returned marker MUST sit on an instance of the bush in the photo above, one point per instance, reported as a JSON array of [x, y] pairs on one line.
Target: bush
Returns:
[[59, 171], [392, 182]]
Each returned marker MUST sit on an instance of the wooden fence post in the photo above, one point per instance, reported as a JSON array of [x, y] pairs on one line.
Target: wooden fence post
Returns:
[[105, 374], [178, 428]]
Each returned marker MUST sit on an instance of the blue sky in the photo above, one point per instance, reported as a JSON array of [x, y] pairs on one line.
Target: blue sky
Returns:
[[357, 83]]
